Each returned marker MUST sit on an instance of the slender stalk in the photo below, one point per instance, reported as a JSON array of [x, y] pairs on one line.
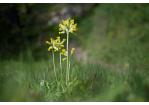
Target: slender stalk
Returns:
[[69, 63], [54, 65], [61, 64], [66, 75], [67, 57]]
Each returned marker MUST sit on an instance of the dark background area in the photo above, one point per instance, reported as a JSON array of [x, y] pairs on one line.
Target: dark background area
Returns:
[[25, 26]]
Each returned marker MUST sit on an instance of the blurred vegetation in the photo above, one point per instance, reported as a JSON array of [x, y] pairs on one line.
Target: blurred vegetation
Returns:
[[114, 34], [118, 35]]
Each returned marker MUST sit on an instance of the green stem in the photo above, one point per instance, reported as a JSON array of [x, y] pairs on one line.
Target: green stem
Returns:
[[69, 63], [67, 57], [54, 65], [61, 64]]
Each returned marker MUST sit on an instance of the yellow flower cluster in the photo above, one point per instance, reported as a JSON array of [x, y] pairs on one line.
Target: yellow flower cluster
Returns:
[[56, 44], [68, 26], [64, 52]]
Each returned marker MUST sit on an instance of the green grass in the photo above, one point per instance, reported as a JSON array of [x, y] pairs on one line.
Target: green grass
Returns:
[[21, 81]]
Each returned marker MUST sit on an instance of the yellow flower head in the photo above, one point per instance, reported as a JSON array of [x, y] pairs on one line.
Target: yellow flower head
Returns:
[[63, 22], [64, 39], [68, 26], [68, 20], [64, 59], [62, 53], [58, 37], [59, 44], [49, 48], [63, 50], [53, 44], [73, 49], [48, 42], [72, 21], [60, 25], [60, 29]]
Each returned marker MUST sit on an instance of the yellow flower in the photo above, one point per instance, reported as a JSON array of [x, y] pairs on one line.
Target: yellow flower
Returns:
[[63, 50], [58, 38], [67, 26], [59, 44], [64, 39], [72, 50], [63, 22], [64, 59], [72, 21], [62, 53], [49, 48], [47, 41], [61, 32], [60, 29], [59, 25], [53, 44]]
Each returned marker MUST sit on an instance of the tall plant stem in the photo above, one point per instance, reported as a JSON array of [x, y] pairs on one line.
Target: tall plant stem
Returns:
[[61, 64], [67, 57], [54, 65]]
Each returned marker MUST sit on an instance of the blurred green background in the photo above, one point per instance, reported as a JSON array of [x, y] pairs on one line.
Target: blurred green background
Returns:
[[114, 35]]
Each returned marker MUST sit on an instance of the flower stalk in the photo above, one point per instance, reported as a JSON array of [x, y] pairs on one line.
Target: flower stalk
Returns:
[[67, 27], [61, 64], [67, 57], [56, 45], [54, 65]]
